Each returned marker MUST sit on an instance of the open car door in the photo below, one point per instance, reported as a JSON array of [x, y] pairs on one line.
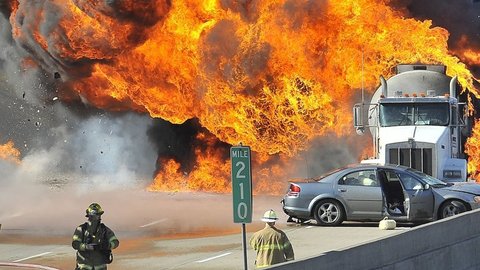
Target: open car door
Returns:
[[419, 201]]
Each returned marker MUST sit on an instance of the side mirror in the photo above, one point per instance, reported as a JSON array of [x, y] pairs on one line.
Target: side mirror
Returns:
[[358, 118], [427, 186]]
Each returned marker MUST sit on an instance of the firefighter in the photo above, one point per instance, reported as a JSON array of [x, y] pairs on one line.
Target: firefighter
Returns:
[[94, 241], [271, 244]]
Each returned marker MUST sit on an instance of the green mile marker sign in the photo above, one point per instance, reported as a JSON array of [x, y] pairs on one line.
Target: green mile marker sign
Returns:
[[241, 184]]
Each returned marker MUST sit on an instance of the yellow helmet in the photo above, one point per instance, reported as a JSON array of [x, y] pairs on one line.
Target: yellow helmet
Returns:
[[270, 216], [94, 209]]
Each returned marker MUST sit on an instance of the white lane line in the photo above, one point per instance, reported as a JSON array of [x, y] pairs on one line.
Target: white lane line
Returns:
[[32, 266], [213, 258], [308, 227], [153, 223], [31, 257]]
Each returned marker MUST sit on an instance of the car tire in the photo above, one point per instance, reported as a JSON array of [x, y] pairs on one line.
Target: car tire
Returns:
[[329, 213], [451, 208]]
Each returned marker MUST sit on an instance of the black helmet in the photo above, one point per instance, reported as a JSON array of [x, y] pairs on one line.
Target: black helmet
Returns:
[[94, 209]]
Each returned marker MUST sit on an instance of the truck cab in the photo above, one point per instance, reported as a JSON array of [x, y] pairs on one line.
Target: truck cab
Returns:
[[416, 120]]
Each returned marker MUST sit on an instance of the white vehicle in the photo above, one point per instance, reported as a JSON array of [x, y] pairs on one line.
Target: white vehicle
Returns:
[[416, 120]]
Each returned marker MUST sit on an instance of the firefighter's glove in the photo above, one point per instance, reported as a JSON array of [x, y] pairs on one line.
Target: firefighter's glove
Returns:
[[90, 246]]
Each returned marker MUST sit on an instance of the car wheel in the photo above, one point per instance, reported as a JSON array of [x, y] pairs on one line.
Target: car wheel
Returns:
[[451, 208], [329, 213]]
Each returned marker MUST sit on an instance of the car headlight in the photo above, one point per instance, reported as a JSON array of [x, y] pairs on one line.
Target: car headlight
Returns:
[[476, 199]]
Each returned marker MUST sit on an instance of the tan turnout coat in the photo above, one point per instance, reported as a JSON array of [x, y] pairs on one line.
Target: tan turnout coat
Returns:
[[272, 246]]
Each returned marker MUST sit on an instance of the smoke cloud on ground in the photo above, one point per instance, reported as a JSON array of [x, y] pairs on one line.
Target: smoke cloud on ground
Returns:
[[38, 209], [100, 158]]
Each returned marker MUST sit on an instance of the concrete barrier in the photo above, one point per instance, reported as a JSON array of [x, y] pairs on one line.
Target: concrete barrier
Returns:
[[451, 243]]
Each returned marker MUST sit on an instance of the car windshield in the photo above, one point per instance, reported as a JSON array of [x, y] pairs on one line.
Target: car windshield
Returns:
[[432, 181], [418, 114]]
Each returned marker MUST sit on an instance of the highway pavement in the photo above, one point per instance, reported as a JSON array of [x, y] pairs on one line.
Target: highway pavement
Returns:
[[208, 250]]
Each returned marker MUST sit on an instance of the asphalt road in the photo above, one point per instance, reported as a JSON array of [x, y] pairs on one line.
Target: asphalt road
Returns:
[[222, 250]]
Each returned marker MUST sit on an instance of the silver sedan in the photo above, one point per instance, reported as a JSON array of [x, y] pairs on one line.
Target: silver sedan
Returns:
[[366, 192]]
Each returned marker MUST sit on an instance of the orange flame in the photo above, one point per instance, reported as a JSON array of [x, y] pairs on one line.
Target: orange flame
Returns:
[[471, 56], [472, 149], [467, 53], [273, 80], [271, 74], [211, 172], [9, 153]]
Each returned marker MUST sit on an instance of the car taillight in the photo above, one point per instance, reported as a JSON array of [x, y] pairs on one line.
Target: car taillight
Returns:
[[293, 191]]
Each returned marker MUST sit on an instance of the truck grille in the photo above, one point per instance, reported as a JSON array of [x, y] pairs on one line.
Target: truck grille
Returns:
[[417, 158]]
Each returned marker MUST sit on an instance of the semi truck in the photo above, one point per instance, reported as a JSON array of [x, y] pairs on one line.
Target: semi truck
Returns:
[[416, 120]]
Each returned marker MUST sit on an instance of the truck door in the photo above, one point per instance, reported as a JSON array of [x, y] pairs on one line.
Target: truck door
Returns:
[[419, 202]]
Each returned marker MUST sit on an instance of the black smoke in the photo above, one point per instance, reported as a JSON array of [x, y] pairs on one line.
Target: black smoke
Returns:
[[178, 142], [460, 17]]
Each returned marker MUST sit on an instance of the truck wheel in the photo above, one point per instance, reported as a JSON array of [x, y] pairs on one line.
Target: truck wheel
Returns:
[[329, 213], [451, 208]]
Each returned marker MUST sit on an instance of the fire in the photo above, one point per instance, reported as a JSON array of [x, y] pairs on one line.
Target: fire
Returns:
[[210, 165], [472, 149], [273, 75], [211, 171], [468, 54], [471, 56], [9, 153]]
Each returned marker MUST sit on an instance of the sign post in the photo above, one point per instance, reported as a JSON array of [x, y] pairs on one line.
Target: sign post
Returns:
[[242, 190]]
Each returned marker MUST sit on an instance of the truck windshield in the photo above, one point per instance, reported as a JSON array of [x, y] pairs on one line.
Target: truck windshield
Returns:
[[414, 114]]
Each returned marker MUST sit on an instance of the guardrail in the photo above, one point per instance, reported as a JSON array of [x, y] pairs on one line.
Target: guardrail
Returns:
[[451, 243]]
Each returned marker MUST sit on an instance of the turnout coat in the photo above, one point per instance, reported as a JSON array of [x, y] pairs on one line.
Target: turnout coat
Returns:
[[104, 240], [272, 246]]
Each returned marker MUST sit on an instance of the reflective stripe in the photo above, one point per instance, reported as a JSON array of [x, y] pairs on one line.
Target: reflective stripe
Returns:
[[80, 256], [113, 242], [272, 246], [268, 247], [82, 266]]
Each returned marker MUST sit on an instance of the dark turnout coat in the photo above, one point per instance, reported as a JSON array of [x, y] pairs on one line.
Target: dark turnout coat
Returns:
[[104, 240]]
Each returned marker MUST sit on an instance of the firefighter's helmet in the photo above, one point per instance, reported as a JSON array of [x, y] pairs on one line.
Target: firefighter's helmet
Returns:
[[269, 216], [94, 209]]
